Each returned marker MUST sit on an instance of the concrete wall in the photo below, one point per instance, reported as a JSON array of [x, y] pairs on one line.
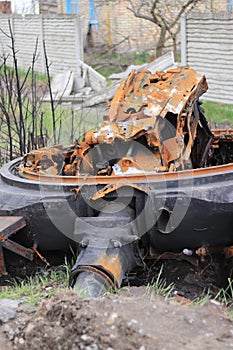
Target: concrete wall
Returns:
[[62, 36], [207, 46], [117, 26]]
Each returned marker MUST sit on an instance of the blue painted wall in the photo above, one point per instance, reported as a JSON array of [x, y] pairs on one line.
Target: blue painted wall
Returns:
[[73, 7]]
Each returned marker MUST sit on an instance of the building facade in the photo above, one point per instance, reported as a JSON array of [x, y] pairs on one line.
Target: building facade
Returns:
[[25, 7], [111, 23], [5, 7], [29, 7], [107, 22]]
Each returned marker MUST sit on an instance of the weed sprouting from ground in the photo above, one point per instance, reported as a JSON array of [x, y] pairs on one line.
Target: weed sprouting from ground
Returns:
[[203, 299], [159, 286], [225, 295], [44, 284]]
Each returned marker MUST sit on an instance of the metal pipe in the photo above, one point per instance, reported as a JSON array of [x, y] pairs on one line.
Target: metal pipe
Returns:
[[108, 250]]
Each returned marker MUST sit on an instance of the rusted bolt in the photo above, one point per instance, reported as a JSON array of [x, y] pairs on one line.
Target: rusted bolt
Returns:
[[116, 244], [180, 200], [84, 243]]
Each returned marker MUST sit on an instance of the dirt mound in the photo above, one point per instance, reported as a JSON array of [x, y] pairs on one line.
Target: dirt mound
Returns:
[[68, 322], [134, 319]]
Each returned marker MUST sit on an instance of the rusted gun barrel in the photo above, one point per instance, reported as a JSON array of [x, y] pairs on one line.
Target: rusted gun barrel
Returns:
[[108, 249]]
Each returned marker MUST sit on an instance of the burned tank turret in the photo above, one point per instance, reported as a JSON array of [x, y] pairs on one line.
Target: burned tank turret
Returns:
[[152, 179]]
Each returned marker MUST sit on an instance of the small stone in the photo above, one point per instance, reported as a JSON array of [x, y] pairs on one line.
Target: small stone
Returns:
[[209, 335], [8, 331], [215, 302], [21, 341], [86, 338], [112, 336], [188, 320], [29, 329], [112, 318], [48, 306], [92, 347], [8, 309], [132, 322]]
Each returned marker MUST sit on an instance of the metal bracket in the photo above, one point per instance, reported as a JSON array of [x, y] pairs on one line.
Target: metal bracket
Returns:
[[9, 225]]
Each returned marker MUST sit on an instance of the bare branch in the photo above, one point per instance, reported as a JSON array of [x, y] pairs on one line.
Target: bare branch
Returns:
[[182, 10], [50, 93], [165, 15]]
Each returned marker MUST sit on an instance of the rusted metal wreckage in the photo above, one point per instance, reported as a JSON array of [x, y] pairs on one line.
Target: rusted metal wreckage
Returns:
[[152, 179]]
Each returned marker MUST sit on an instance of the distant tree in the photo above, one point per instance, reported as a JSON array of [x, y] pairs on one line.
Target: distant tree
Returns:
[[165, 14]]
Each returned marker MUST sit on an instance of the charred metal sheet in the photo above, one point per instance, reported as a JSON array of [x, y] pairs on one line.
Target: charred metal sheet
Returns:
[[18, 249], [9, 225], [161, 112], [111, 188], [144, 94], [3, 270]]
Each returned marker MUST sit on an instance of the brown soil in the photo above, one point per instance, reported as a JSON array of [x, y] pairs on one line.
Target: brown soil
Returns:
[[132, 319]]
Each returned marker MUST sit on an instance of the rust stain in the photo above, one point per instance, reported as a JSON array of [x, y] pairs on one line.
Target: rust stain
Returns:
[[9, 225], [154, 125], [111, 188], [228, 252], [112, 264], [94, 180], [34, 248]]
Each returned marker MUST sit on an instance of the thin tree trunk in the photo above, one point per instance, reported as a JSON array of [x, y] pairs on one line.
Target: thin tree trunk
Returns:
[[51, 95], [19, 95], [161, 41], [175, 48], [34, 99]]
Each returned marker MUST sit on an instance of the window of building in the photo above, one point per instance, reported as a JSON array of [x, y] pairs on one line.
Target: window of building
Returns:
[[93, 14], [73, 6]]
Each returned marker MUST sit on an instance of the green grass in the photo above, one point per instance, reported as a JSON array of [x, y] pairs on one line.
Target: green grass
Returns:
[[225, 295], [66, 120], [159, 287], [44, 284], [70, 125], [38, 76], [49, 282], [202, 300], [218, 112]]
